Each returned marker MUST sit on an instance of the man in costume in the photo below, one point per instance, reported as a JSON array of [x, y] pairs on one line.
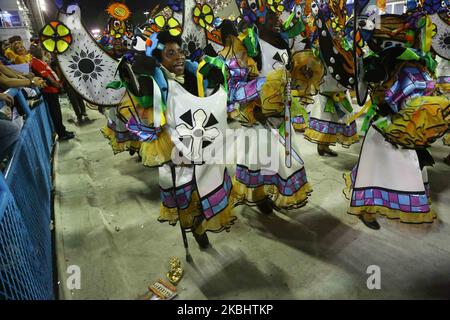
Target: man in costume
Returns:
[[173, 112]]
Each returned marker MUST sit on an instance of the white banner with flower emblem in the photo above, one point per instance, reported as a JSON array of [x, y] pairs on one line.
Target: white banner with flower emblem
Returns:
[[197, 128], [86, 66]]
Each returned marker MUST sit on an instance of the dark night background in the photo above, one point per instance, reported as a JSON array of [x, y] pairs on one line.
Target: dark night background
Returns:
[[94, 15]]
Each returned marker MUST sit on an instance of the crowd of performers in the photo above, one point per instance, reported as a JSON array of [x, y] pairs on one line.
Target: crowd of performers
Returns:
[[292, 68]]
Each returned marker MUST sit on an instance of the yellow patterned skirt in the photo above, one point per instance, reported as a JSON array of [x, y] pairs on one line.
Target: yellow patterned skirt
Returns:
[[243, 194], [321, 136], [190, 216], [118, 147]]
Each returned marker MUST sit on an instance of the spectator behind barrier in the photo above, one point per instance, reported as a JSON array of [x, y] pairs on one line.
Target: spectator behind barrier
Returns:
[[50, 92], [17, 53], [12, 79], [9, 131], [3, 59], [76, 100]]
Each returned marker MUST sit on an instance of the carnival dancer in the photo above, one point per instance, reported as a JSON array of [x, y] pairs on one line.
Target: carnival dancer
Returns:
[[328, 120], [244, 83], [116, 132], [113, 43], [178, 112], [390, 178], [332, 107], [285, 187]]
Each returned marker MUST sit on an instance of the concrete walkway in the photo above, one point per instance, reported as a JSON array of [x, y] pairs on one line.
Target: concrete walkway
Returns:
[[106, 210]]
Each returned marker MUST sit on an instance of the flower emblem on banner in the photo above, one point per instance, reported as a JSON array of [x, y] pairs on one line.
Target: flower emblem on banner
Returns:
[[200, 132], [55, 37], [203, 15], [275, 5], [172, 25]]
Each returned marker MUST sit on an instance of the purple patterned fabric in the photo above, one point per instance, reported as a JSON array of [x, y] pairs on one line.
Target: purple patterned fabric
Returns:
[[443, 80], [217, 200], [240, 90], [416, 202], [212, 204], [183, 196], [411, 82], [287, 187], [141, 131], [121, 136], [333, 128], [298, 120]]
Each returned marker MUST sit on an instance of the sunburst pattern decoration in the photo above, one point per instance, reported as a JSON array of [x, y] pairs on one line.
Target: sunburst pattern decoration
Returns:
[[441, 41], [55, 37], [444, 40], [191, 44], [160, 23], [118, 11], [86, 66]]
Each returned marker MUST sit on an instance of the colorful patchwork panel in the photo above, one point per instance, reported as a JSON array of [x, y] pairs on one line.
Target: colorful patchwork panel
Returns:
[[406, 202], [328, 127], [254, 179]]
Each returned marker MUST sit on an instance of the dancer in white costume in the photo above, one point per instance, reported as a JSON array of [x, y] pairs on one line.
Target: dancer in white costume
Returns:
[[282, 187], [332, 106], [179, 116], [329, 115], [390, 178]]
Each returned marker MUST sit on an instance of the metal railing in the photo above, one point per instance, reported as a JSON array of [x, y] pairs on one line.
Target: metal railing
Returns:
[[26, 260]]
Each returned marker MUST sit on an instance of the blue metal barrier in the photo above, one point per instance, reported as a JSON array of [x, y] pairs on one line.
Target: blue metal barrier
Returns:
[[26, 267]]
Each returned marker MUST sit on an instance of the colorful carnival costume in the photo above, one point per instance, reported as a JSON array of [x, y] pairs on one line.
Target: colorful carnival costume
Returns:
[[330, 118], [390, 178], [119, 137], [329, 115], [171, 108], [280, 187], [409, 114], [286, 188], [244, 84]]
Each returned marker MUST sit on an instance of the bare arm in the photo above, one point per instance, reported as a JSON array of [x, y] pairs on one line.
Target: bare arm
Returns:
[[10, 72], [8, 82], [7, 98]]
